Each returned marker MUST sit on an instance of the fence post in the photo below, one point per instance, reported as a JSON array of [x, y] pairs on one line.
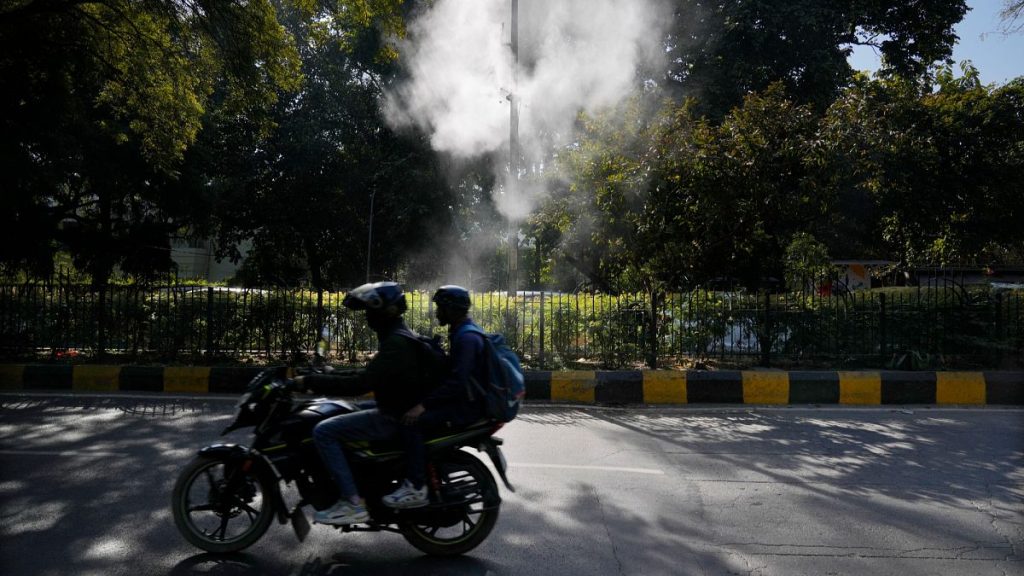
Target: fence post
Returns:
[[766, 334], [540, 355], [209, 321], [881, 326], [101, 322], [652, 334], [999, 330], [319, 328]]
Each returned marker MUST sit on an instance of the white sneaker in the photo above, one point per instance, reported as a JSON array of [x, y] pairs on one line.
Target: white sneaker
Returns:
[[407, 497], [342, 514]]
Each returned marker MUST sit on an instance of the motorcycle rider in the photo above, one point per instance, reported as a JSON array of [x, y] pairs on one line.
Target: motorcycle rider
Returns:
[[396, 380], [454, 404]]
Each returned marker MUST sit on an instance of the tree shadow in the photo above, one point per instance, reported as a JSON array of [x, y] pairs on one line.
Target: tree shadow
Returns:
[[861, 477], [86, 481], [102, 505]]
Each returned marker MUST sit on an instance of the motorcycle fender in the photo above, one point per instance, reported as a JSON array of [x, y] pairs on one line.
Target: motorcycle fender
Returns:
[[491, 446], [239, 453]]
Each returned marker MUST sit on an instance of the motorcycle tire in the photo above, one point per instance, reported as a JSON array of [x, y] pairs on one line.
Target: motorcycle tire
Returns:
[[203, 513], [456, 529]]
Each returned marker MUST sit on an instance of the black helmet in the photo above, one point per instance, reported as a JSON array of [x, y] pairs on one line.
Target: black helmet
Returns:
[[386, 297], [451, 296]]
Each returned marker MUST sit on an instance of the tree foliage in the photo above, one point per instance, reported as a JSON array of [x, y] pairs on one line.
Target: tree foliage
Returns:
[[101, 99], [127, 122], [1011, 16], [686, 201], [941, 169], [303, 193], [722, 51]]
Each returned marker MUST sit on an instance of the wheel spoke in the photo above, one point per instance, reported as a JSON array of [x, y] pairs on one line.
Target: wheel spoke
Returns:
[[210, 479], [219, 513], [250, 513], [222, 531]]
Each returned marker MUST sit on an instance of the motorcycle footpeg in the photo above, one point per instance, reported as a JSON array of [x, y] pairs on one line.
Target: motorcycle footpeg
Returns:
[[300, 524]]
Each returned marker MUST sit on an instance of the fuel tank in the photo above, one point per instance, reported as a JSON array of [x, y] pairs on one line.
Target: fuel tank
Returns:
[[299, 425]]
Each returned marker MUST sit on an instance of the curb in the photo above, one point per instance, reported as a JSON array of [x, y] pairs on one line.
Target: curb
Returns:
[[590, 387]]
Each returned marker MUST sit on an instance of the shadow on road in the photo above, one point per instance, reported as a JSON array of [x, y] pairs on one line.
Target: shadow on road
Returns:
[[253, 565], [103, 507], [131, 450]]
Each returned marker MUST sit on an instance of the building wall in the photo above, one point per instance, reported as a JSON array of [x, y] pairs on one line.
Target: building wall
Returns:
[[196, 259]]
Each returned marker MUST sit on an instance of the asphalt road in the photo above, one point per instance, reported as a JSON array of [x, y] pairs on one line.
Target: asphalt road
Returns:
[[85, 486]]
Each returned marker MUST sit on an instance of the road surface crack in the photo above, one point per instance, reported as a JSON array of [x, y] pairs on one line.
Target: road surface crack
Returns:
[[607, 531], [988, 508]]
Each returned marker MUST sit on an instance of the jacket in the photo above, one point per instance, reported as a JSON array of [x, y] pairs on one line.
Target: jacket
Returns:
[[393, 375], [466, 371]]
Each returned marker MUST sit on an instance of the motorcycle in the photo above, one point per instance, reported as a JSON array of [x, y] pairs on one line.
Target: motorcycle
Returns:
[[226, 498]]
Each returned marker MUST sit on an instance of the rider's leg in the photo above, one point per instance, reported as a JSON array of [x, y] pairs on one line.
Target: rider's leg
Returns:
[[328, 437], [413, 492]]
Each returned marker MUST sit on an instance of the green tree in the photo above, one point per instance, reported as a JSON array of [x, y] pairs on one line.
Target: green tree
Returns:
[[719, 52], [600, 194], [806, 260], [676, 201], [303, 192], [100, 101], [940, 168], [725, 200]]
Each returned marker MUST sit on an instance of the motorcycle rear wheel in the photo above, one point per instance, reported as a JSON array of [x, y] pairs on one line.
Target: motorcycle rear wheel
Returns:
[[458, 529], [217, 521]]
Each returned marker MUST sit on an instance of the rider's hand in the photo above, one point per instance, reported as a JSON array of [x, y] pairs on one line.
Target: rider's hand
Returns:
[[410, 417]]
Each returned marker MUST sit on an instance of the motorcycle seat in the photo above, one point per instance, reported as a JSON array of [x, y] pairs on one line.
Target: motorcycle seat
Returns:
[[437, 441]]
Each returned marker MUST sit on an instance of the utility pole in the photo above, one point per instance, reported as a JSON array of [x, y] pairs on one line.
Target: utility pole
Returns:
[[513, 153], [369, 239]]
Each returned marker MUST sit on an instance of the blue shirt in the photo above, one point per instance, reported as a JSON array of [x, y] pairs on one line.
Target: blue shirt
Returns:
[[466, 364]]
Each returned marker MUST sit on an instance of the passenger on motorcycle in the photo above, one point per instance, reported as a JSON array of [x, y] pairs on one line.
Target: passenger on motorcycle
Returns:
[[453, 405], [396, 380]]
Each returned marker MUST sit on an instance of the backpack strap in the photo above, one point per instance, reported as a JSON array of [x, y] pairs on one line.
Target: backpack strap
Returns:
[[472, 327], [407, 332], [469, 327]]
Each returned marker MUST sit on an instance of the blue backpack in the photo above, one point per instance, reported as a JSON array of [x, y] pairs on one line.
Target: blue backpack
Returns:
[[504, 392]]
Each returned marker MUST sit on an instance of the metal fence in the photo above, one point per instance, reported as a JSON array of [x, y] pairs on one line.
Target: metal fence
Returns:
[[937, 326]]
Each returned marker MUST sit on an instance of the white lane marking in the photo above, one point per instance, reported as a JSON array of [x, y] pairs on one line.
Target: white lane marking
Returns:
[[66, 453], [515, 465]]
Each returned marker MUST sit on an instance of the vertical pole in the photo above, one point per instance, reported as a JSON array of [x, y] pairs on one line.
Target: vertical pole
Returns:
[[209, 321], [53, 312], [369, 238], [881, 326], [319, 312], [999, 330], [1018, 331], [652, 355], [540, 355], [513, 163], [766, 337]]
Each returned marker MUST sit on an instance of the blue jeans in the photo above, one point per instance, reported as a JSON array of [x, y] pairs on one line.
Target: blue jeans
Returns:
[[328, 436]]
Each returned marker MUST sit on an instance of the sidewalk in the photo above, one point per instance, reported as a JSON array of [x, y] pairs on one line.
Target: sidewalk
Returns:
[[589, 387]]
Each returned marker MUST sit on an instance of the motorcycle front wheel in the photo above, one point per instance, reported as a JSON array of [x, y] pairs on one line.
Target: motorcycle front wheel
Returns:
[[217, 511], [470, 509]]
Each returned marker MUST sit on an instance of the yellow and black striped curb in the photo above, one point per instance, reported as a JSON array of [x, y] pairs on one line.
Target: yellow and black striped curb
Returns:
[[599, 387], [777, 387]]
